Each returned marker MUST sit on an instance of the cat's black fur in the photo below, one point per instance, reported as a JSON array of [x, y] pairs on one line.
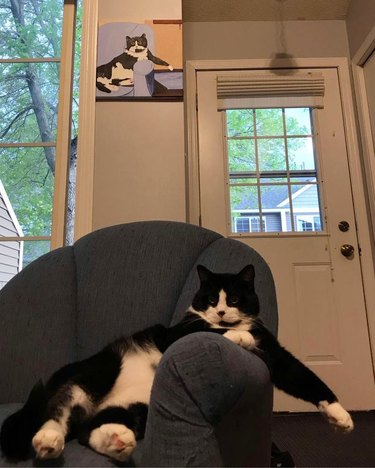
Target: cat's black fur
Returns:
[[119, 71], [224, 303]]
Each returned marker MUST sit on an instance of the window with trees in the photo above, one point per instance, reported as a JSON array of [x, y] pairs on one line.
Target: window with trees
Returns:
[[272, 169], [31, 45]]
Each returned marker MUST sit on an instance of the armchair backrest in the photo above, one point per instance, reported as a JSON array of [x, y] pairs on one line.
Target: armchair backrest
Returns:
[[115, 281]]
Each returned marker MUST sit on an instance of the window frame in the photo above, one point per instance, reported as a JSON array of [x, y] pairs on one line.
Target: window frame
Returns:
[[63, 130], [288, 173]]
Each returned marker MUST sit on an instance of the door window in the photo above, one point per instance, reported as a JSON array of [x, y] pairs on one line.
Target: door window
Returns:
[[272, 170]]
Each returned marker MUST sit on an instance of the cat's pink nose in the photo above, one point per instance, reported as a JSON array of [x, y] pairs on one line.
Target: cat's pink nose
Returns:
[[221, 313]]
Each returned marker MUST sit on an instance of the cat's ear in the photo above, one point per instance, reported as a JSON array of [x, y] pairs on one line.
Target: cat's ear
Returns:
[[203, 273], [143, 35], [247, 274]]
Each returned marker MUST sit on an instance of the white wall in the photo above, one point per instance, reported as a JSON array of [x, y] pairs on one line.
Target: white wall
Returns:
[[360, 21], [261, 39], [135, 10], [139, 162], [139, 147]]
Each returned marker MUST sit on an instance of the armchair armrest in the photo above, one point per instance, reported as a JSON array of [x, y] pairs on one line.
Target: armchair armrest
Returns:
[[211, 405], [143, 78]]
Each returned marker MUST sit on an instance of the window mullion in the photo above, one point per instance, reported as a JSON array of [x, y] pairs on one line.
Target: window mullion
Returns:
[[258, 170], [64, 125], [288, 173]]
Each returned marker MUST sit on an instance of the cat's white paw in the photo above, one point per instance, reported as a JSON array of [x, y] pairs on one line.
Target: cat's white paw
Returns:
[[243, 338], [337, 415], [114, 440], [170, 67], [48, 443]]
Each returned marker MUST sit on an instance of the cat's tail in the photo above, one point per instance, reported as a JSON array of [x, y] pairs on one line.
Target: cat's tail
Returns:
[[19, 428]]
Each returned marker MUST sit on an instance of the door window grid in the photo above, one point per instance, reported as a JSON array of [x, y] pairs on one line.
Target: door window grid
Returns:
[[295, 180]]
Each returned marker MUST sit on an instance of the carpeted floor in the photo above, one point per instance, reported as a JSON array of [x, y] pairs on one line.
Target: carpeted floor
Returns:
[[312, 442]]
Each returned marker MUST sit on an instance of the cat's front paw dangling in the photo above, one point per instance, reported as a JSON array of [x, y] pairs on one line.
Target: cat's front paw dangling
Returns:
[[337, 415]]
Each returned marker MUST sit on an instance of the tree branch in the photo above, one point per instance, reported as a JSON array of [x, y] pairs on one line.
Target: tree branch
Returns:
[[18, 116]]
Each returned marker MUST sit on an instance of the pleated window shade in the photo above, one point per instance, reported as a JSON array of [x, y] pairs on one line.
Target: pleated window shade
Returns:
[[270, 91]]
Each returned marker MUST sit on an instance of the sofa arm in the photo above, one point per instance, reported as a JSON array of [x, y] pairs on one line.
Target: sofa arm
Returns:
[[206, 389]]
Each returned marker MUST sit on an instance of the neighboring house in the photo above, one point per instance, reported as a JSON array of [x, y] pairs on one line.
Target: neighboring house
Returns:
[[11, 252], [276, 210]]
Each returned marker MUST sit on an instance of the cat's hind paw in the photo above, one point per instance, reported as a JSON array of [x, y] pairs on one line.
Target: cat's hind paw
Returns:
[[243, 338], [48, 443], [114, 440], [337, 415]]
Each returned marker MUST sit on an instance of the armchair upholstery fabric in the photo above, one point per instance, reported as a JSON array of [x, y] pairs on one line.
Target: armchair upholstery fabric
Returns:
[[211, 403]]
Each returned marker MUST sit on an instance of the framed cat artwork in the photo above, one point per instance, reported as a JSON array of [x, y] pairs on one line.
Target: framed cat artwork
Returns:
[[140, 61]]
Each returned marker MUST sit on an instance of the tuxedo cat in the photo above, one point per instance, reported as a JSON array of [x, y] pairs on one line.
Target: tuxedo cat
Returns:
[[103, 400], [119, 71]]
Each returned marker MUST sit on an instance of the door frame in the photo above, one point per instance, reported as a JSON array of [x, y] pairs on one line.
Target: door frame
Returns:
[[355, 157], [368, 151], [86, 122]]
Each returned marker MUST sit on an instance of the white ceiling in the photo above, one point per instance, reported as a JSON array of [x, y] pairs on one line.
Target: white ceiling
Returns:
[[263, 10]]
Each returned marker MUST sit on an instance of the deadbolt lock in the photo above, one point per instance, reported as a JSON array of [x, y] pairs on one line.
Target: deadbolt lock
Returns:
[[344, 226]]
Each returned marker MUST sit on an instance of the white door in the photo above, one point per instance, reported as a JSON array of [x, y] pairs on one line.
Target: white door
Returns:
[[290, 211]]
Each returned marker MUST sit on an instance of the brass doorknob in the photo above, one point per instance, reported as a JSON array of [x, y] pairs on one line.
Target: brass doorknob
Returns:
[[347, 250]]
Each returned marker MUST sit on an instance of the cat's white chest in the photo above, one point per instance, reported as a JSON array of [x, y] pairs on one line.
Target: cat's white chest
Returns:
[[135, 380]]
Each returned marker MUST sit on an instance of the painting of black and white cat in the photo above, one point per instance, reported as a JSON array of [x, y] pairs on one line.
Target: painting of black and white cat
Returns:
[[105, 398], [120, 70]]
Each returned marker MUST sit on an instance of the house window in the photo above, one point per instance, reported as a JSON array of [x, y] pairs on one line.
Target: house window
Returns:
[[272, 167], [249, 224], [306, 223], [32, 97]]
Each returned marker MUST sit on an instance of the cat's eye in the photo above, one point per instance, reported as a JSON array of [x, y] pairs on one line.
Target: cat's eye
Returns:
[[234, 299], [212, 300]]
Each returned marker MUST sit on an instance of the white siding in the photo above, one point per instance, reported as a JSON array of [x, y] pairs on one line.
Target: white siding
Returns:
[[10, 251]]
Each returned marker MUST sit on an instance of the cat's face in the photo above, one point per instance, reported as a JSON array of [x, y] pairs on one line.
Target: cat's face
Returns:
[[226, 300], [136, 44]]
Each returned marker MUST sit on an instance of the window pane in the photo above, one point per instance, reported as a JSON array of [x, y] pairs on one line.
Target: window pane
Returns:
[[34, 249], [243, 200], [306, 208], [271, 154], [32, 30], [28, 90], [241, 155], [275, 208], [301, 153], [240, 123], [28, 182], [269, 122], [298, 121]]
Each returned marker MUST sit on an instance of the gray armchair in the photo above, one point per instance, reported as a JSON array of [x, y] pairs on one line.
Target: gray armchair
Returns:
[[211, 403]]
